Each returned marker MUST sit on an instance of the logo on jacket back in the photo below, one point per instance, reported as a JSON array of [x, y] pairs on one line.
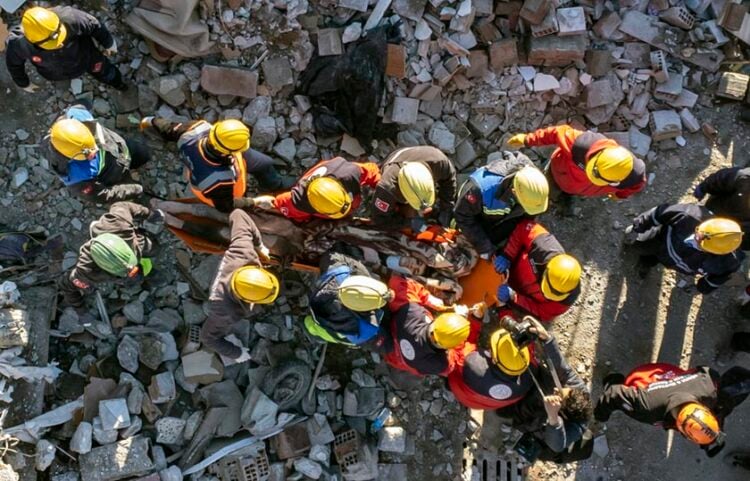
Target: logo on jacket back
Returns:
[[382, 205]]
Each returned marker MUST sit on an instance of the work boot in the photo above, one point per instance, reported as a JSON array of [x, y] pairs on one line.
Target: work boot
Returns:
[[738, 459]]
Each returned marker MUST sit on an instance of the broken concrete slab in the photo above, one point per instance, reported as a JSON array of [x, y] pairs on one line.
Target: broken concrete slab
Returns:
[[237, 82], [411, 9], [258, 412], [169, 430], [202, 367], [329, 42], [689, 121], [120, 460], [544, 82], [277, 72], [162, 388], [503, 53], [665, 124], [392, 440], [405, 110], [114, 414], [81, 441], [14, 327], [600, 93], [571, 21], [732, 85]]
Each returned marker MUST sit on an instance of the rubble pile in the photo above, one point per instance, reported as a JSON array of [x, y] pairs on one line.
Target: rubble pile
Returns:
[[138, 397]]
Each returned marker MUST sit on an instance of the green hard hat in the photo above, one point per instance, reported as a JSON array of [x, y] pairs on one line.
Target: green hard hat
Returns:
[[112, 254]]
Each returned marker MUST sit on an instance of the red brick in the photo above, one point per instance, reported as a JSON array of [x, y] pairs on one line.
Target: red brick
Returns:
[[396, 61]]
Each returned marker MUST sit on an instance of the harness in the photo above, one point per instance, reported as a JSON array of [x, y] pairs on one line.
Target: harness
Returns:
[[488, 183]]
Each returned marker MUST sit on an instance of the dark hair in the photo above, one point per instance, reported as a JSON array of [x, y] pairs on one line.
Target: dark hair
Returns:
[[577, 406]]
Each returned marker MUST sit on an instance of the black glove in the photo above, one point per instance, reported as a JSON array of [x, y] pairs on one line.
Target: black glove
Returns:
[[703, 286]]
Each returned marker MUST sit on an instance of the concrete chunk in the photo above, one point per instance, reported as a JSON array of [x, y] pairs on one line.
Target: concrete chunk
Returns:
[[606, 27], [277, 72], [162, 388], [665, 124], [571, 21], [329, 42], [503, 53], [114, 414], [599, 93], [358, 5], [689, 121], [392, 440], [405, 110], [121, 460], [237, 82], [169, 430], [442, 138], [258, 412], [640, 143], [544, 82], [81, 441], [732, 85], [202, 367]]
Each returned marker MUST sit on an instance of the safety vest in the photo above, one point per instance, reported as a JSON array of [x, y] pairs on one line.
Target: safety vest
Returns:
[[366, 330], [488, 183], [205, 175]]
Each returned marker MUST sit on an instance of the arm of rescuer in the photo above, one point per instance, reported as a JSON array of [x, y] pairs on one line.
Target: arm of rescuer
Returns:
[[85, 24], [654, 217], [711, 281], [551, 136], [467, 213], [98, 192], [245, 241], [15, 59], [617, 397], [168, 130], [722, 182], [446, 186], [283, 203]]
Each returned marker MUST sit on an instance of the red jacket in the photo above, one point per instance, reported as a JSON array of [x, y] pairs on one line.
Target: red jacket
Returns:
[[529, 249], [574, 150], [352, 175]]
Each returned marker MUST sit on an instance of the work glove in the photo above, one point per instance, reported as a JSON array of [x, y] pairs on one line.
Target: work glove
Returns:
[[244, 203], [111, 51], [631, 236], [264, 253], [505, 294], [146, 122], [538, 329], [418, 224], [502, 264], [31, 88], [478, 310], [517, 141], [485, 255], [461, 310], [698, 193], [265, 202], [444, 218]]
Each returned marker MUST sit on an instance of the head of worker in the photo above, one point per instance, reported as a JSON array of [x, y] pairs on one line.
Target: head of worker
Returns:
[[73, 140], [229, 137], [113, 255], [364, 294], [561, 277], [718, 236], [531, 189], [506, 354], [698, 424], [254, 285], [449, 330], [609, 166], [43, 28], [329, 197], [417, 186]]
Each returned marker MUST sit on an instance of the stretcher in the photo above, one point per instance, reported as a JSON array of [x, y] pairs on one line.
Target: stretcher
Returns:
[[446, 263]]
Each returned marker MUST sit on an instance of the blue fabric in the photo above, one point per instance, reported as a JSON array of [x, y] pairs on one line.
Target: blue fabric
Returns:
[[80, 114], [340, 273], [81, 170], [502, 264], [366, 330], [488, 184], [692, 242], [504, 293]]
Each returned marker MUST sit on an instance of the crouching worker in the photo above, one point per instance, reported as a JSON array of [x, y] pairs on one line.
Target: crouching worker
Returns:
[[241, 282], [694, 402], [218, 158], [347, 304], [92, 161], [554, 417], [117, 252]]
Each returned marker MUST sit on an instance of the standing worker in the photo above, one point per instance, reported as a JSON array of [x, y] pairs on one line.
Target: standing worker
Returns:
[[59, 43], [688, 239], [331, 190], [240, 283], [117, 251], [542, 279], [498, 196], [694, 402], [91, 160], [412, 179], [588, 164], [218, 158]]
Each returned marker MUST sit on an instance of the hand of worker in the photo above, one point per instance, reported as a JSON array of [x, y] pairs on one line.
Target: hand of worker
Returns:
[[502, 264], [244, 203], [485, 255], [266, 202], [264, 253], [478, 310], [111, 51], [146, 122], [31, 88], [505, 294], [517, 141], [552, 405], [698, 193], [630, 235], [418, 224], [461, 310], [538, 329]]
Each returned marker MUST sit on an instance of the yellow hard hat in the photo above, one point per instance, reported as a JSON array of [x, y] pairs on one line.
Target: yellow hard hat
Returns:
[[719, 236], [254, 284], [561, 277], [506, 355], [72, 139], [329, 197], [531, 189], [611, 165], [43, 28], [229, 136], [363, 293], [417, 185], [450, 330]]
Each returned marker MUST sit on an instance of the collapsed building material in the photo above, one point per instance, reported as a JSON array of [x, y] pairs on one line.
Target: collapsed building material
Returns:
[[116, 461]]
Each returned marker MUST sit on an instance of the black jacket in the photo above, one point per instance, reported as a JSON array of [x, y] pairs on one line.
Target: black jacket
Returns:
[[729, 191], [77, 56], [667, 227]]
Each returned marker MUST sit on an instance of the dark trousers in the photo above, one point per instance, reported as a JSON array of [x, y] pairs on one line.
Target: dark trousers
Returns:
[[106, 72], [734, 387], [140, 154], [261, 167], [578, 451]]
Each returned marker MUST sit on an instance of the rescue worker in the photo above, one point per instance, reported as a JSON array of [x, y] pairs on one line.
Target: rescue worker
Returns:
[[347, 303], [117, 252], [554, 417], [542, 279], [588, 164], [240, 283], [688, 239], [694, 402], [92, 161], [498, 196], [728, 193], [59, 43], [492, 378], [422, 343], [331, 190], [412, 179], [218, 158]]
